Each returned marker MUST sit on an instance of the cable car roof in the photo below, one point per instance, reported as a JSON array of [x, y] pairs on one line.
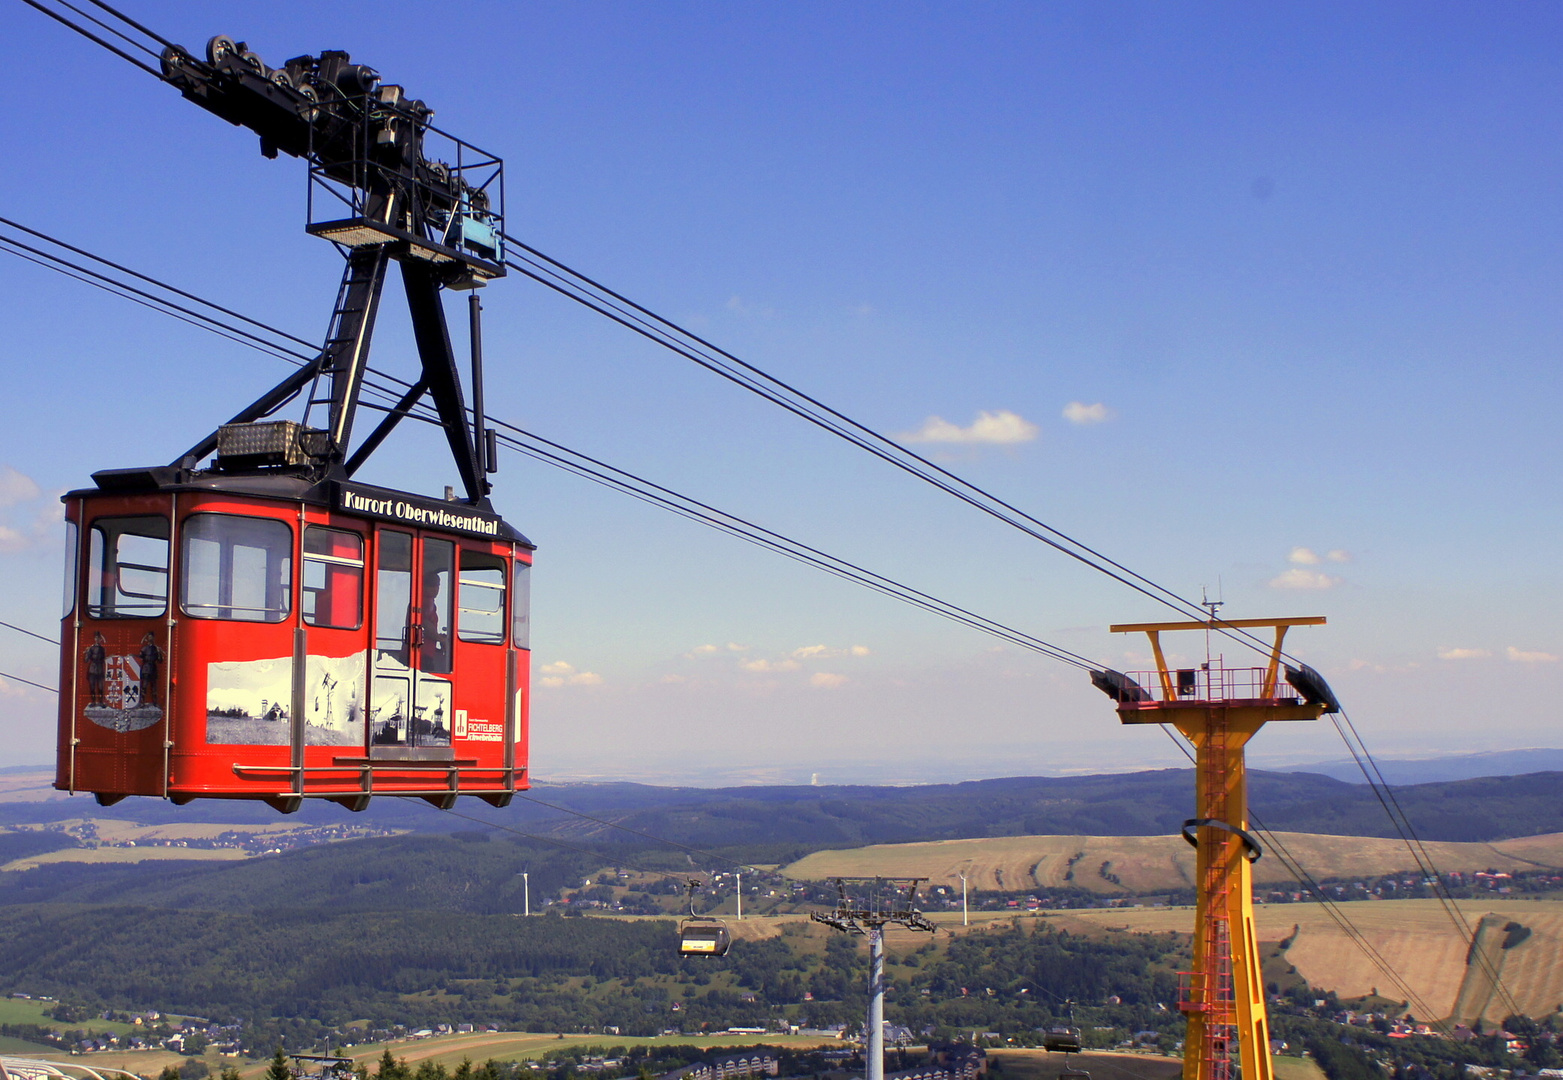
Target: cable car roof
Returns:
[[360, 500]]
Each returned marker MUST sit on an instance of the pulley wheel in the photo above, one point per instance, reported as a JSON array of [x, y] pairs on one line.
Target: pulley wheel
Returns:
[[219, 47]]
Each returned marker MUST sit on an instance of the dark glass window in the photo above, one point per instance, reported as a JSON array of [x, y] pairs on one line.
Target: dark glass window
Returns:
[[439, 565], [393, 594]]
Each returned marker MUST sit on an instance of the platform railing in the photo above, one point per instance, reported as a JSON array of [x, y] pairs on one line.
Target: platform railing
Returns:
[[1213, 682]]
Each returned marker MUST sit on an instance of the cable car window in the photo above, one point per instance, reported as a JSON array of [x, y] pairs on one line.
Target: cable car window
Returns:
[[333, 584], [439, 565], [482, 599], [71, 549], [393, 594], [128, 577], [521, 607], [236, 568]]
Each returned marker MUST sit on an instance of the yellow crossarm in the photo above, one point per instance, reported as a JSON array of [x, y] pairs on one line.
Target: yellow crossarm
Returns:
[[1214, 624]]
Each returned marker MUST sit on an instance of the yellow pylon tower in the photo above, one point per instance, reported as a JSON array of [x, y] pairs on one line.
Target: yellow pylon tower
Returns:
[[1219, 709]]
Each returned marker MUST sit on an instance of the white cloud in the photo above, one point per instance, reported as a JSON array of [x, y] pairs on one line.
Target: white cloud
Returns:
[[821, 652], [711, 650], [1463, 654], [761, 664], [1001, 428], [1303, 556], [12, 540], [739, 306], [1078, 412], [1298, 578], [1519, 656], [16, 487], [12, 688], [560, 673], [672, 679], [826, 680]]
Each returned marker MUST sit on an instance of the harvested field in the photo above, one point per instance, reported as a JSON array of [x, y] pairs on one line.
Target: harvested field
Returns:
[[1415, 936], [108, 841], [127, 855], [1144, 864], [29, 785]]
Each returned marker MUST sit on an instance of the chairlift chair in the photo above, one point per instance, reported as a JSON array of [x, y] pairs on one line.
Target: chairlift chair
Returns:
[[1065, 1038], [1062, 1040], [700, 936]]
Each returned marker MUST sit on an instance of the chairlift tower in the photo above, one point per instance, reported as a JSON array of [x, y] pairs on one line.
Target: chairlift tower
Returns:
[[1219, 709], [851, 917]]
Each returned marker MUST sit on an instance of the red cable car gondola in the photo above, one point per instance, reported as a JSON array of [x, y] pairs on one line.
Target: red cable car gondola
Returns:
[[271, 638], [264, 627]]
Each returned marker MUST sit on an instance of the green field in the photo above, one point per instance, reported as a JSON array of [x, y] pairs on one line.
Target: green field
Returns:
[[1297, 1068], [523, 1046], [33, 1011], [1040, 1065]]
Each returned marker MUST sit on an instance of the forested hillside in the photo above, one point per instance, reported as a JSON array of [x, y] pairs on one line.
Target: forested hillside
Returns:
[[301, 972]]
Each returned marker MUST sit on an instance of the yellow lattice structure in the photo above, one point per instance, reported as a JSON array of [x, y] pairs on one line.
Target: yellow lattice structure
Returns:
[[1219, 709]]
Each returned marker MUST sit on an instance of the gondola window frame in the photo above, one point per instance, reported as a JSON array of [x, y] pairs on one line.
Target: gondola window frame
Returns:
[[320, 605], [106, 578], [476, 621], [236, 577], [521, 606], [72, 566]]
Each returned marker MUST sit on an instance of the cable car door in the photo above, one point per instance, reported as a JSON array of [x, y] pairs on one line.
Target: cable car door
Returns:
[[410, 707]]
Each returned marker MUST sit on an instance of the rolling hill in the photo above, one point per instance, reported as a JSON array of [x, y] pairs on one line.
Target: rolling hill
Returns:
[[1147, 864]]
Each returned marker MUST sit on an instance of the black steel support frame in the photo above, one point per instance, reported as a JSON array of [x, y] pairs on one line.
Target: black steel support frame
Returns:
[[347, 343], [369, 140], [271, 400], [440, 371], [386, 426], [345, 361]]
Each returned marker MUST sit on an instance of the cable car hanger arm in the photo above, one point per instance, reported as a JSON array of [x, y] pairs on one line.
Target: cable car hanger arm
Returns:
[[364, 142]]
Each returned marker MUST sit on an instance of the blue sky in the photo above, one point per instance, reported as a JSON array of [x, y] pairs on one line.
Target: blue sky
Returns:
[[1305, 258]]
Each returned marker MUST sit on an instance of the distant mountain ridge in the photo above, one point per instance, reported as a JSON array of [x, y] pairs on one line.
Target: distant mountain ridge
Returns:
[[1492, 763], [1132, 804], [797, 819]]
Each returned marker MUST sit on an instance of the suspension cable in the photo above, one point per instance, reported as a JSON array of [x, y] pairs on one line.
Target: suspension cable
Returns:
[[29, 682], [555, 274], [1327, 903], [525, 442], [29, 633], [84, 32]]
